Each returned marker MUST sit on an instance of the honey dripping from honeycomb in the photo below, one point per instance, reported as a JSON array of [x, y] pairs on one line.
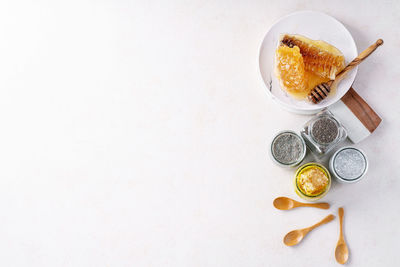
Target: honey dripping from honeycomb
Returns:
[[321, 62]]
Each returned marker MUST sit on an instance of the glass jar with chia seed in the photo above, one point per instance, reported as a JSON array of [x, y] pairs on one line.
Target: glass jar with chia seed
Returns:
[[323, 132], [287, 149]]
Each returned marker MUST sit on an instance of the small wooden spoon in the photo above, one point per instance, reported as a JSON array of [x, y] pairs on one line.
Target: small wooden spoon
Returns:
[[294, 237], [321, 91], [341, 251], [285, 203]]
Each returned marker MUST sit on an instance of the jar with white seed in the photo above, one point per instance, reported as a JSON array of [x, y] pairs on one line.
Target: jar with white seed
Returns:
[[348, 165]]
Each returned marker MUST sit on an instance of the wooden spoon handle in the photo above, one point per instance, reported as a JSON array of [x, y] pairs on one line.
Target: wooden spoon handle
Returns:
[[327, 219], [324, 206], [341, 213], [363, 55]]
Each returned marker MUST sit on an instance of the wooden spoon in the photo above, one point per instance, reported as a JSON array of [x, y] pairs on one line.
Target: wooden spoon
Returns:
[[341, 251], [294, 237], [285, 203], [322, 90]]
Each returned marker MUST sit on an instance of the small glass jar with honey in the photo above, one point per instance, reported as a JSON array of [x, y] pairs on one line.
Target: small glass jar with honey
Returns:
[[312, 181]]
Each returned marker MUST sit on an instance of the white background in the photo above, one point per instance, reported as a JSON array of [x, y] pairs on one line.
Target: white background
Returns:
[[136, 134]]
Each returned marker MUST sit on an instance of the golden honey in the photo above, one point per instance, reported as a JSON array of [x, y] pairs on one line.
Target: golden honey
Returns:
[[312, 181], [302, 63]]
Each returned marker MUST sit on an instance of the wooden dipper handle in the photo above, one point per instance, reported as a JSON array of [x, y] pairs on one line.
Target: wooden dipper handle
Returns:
[[363, 55], [341, 213], [325, 220], [321, 91]]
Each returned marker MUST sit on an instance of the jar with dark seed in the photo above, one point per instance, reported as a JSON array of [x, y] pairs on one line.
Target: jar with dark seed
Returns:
[[323, 132]]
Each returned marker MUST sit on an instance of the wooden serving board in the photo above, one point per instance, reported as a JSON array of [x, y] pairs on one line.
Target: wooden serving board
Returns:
[[359, 119]]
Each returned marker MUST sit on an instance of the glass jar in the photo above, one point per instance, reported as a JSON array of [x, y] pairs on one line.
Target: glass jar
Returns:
[[287, 149], [323, 132], [300, 185], [348, 165]]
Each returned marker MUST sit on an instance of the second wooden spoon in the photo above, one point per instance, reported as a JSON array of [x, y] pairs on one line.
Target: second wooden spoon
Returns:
[[285, 203], [294, 237]]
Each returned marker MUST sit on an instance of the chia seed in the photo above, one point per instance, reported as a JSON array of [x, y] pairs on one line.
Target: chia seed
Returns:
[[287, 148], [324, 130]]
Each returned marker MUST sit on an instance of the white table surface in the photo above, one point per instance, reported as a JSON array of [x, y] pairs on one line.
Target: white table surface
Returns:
[[136, 134]]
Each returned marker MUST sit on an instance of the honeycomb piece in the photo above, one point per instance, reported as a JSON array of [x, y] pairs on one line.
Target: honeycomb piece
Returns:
[[289, 68], [312, 181], [319, 57]]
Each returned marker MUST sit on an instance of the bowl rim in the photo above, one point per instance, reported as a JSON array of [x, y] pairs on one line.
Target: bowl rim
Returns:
[[301, 110]]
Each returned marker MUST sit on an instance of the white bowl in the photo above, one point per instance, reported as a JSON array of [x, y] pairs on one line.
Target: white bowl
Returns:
[[317, 26]]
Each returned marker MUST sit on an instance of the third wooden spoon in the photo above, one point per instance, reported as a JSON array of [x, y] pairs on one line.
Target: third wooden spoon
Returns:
[[341, 251]]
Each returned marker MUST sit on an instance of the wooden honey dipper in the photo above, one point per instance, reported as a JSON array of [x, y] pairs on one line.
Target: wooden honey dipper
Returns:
[[321, 91]]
